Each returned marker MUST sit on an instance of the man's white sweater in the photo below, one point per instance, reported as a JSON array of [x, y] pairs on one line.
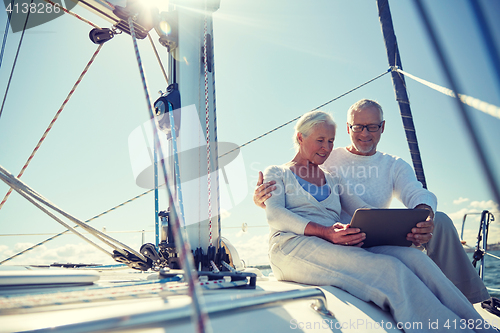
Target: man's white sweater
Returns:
[[378, 178]]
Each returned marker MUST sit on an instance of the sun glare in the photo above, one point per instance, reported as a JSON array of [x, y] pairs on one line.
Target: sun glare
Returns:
[[162, 5]]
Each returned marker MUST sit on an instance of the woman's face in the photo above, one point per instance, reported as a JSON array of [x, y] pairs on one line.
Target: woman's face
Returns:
[[317, 146]]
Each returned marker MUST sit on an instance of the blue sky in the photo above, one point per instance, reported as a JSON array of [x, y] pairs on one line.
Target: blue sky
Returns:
[[274, 61]]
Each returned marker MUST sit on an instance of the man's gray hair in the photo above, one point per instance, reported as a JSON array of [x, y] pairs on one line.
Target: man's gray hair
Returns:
[[308, 121], [360, 105]]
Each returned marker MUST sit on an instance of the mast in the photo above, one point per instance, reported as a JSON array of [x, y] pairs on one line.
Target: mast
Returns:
[[399, 84], [194, 134]]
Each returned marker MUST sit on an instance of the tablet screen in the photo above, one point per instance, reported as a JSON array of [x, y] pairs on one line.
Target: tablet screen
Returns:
[[387, 226]]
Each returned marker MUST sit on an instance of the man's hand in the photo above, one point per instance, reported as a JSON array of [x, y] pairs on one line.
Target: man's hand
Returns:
[[263, 191], [422, 233]]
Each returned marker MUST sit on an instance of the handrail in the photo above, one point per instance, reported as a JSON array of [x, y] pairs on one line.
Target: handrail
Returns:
[[465, 217], [482, 238], [234, 303]]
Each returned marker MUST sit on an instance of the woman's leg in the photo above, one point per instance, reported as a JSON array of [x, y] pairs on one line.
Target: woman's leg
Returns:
[[432, 276], [380, 278]]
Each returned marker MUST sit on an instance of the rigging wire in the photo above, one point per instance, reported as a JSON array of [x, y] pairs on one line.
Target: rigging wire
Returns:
[[9, 180], [463, 111], [207, 126], [493, 51], [316, 108], [14, 65], [67, 230], [216, 148], [477, 104], [6, 33], [72, 14], [146, 192], [401, 94], [186, 259], [31, 195], [53, 120], [158, 58]]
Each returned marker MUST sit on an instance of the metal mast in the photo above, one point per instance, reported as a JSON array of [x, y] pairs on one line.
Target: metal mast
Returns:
[[398, 81]]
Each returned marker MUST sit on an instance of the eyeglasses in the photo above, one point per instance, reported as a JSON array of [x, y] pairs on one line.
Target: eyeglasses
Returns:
[[370, 128]]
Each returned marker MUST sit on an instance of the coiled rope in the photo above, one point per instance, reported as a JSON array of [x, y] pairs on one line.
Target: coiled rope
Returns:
[[477, 104], [316, 108], [53, 120]]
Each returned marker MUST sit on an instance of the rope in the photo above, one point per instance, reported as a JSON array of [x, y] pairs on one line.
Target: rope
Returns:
[[14, 65], [67, 230], [72, 14], [493, 51], [107, 4], [176, 162], [467, 119], [294, 119], [219, 224], [185, 256], [10, 180], [207, 126], [30, 195], [6, 33], [53, 121], [477, 104], [492, 255], [51, 233], [158, 58]]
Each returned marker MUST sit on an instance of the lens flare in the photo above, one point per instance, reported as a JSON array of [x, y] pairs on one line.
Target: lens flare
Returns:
[[165, 28]]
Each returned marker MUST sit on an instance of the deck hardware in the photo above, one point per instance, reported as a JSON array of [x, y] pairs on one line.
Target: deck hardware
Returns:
[[100, 36]]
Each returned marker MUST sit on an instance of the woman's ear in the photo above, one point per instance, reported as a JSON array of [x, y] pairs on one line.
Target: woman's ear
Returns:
[[299, 138]]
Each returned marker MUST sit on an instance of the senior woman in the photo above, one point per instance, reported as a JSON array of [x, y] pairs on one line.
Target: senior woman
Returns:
[[308, 245]]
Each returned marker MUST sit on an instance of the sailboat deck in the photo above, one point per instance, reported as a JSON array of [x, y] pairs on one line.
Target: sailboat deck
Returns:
[[272, 306]]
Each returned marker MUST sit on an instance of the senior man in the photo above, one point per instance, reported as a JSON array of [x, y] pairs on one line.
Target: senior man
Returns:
[[377, 177]]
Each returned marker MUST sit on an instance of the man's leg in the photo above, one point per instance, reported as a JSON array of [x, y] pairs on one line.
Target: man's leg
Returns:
[[447, 252]]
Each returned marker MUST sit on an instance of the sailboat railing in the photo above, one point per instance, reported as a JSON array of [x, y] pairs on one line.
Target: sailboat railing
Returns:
[[482, 239]]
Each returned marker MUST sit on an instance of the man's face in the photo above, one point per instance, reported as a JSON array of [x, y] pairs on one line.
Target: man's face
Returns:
[[365, 142]]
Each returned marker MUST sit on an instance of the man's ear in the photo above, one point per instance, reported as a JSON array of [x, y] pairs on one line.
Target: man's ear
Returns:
[[383, 127], [348, 129]]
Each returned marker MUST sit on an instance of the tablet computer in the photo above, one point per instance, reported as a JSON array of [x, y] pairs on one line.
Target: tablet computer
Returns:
[[387, 226]]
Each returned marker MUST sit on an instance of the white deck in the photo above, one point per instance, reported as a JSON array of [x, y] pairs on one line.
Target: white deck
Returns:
[[247, 310]]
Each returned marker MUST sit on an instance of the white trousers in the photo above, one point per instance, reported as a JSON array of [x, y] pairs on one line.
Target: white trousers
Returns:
[[403, 281]]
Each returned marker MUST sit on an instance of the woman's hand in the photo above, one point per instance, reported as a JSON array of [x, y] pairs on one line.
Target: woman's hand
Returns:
[[338, 233]]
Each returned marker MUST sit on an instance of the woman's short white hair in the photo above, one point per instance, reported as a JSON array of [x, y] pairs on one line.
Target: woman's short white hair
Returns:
[[308, 121]]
